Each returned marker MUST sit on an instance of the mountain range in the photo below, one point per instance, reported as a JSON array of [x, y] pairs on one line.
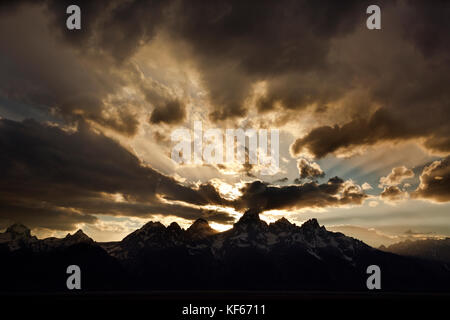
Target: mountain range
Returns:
[[252, 255], [432, 249]]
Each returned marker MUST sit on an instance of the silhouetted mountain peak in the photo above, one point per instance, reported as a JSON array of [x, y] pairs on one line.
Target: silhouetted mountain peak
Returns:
[[282, 225], [19, 230], [79, 233], [148, 230], [174, 227], [77, 237], [296, 258], [283, 222], [153, 225], [250, 221], [311, 224], [200, 228], [17, 236], [249, 217]]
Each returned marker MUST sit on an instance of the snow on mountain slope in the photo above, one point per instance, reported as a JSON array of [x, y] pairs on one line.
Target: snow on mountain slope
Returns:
[[249, 232]]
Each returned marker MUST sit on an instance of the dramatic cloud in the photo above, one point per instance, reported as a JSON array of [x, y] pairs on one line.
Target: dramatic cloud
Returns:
[[366, 186], [435, 182], [393, 95], [396, 176], [47, 75], [172, 112], [138, 67], [336, 192], [229, 42], [393, 194], [303, 53], [434, 17], [51, 176], [237, 43], [58, 72], [327, 139], [309, 170]]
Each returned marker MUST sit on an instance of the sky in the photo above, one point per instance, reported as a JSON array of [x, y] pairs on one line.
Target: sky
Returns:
[[87, 116]]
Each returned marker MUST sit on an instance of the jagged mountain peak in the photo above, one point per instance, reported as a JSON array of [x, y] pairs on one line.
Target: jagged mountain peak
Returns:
[[250, 216], [283, 222], [79, 232], [312, 224], [200, 228], [18, 229], [282, 225], [149, 229], [237, 259], [153, 225], [250, 220], [17, 236], [78, 236]]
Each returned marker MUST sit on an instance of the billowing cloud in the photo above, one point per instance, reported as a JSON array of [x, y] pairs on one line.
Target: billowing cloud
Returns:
[[393, 96], [396, 176], [52, 77], [63, 75], [393, 194], [229, 43], [366, 186], [314, 65], [336, 192], [232, 42], [379, 127], [435, 182], [172, 112], [51, 176], [309, 170]]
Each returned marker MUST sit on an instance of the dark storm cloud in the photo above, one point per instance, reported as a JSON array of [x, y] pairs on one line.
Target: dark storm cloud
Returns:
[[407, 82], [314, 54], [382, 126], [308, 54], [56, 174], [335, 192], [435, 182], [37, 69], [309, 170], [55, 179], [233, 43], [116, 27], [431, 35], [236, 43], [292, 46], [173, 112], [61, 72], [323, 140]]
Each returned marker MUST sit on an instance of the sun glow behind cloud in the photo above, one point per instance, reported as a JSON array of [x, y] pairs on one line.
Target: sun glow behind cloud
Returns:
[[325, 94]]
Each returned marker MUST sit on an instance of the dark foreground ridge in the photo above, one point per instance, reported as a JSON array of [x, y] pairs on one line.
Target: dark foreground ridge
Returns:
[[253, 255]]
